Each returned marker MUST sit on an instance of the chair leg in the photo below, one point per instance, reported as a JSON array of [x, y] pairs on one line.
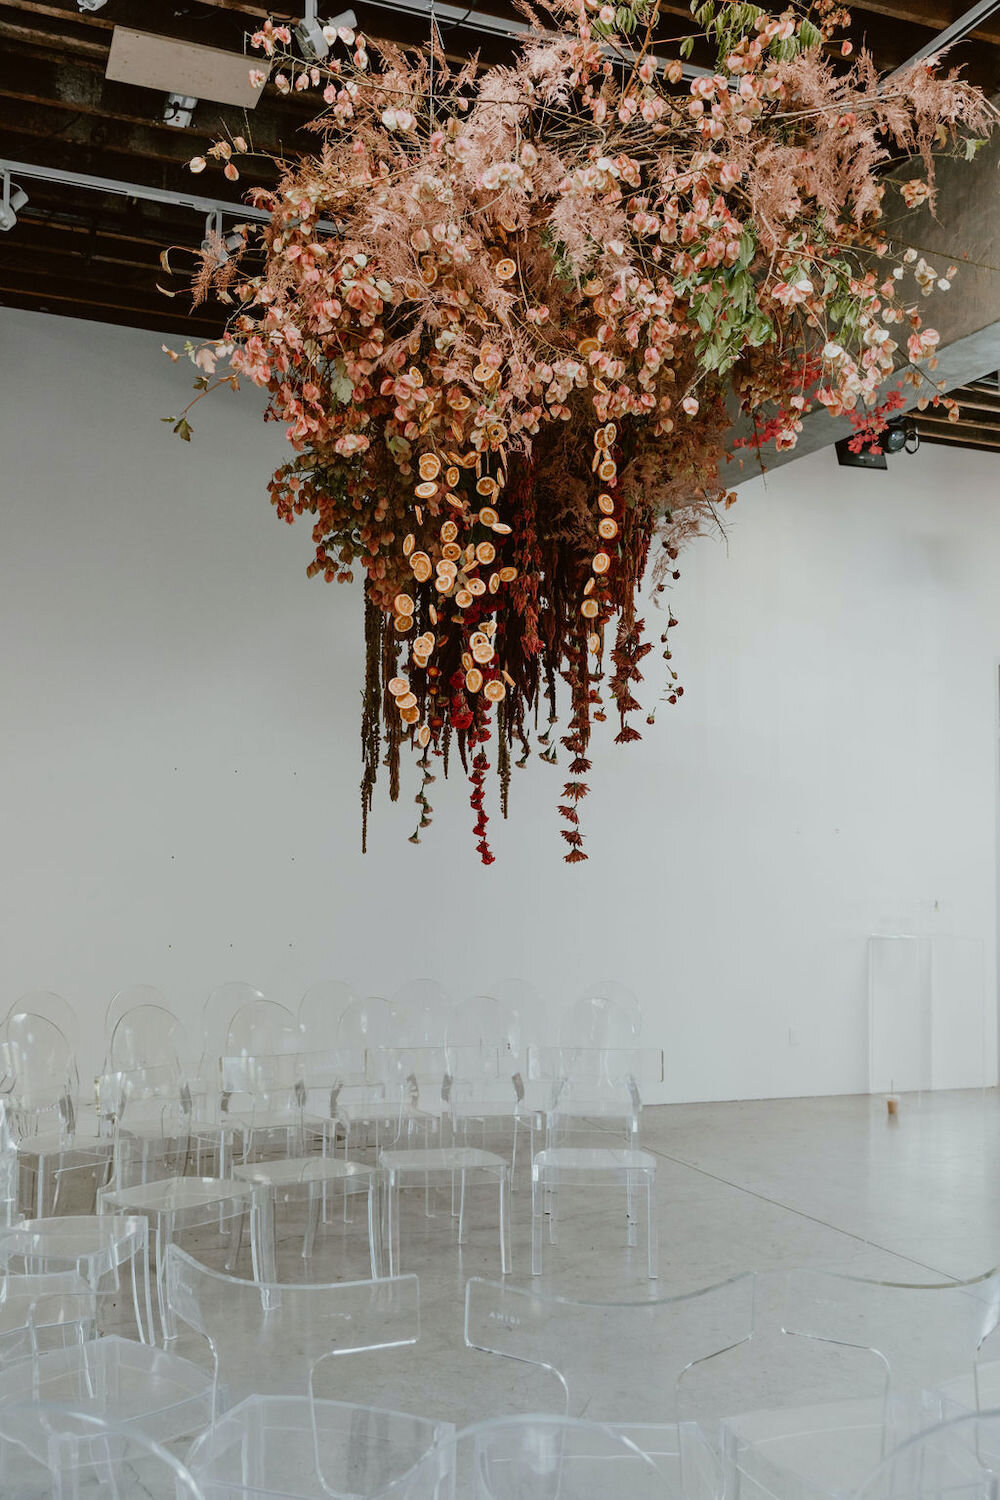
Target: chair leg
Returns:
[[235, 1240], [317, 1198], [504, 1222], [537, 1218], [461, 1209], [652, 1246], [375, 1230], [631, 1230]]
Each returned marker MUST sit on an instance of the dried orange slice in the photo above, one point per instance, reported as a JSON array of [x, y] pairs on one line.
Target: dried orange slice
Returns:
[[608, 469], [494, 691], [419, 659], [410, 715], [403, 604], [504, 269], [606, 504], [486, 486], [403, 623], [587, 347], [482, 654], [444, 584], [507, 575], [607, 528], [482, 373], [429, 466], [501, 528], [451, 476], [398, 686], [494, 582], [593, 288], [406, 701], [476, 587], [601, 563], [463, 598], [424, 643], [467, 660], [424, 735], [588, 587], [488, 516], [433, 614], [421, 565], [459, 401], [451, 552], [449, 531], [478, 638], [589, 608], [473, 679], [594, 641], [486, 552], [610, 434], [425, 490], [600, 441]]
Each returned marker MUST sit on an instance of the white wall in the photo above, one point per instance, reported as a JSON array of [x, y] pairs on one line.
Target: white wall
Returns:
[[180, 766]]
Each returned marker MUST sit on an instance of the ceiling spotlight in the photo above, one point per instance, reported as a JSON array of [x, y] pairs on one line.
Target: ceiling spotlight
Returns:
[[315, 37], [178, 110], [13, 199], [217, 242], [897, 436]]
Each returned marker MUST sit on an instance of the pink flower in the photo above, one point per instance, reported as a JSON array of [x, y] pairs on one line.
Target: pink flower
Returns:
[[690, 405]]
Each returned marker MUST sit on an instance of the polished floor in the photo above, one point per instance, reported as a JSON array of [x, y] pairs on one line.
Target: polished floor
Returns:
[[766, 1186]]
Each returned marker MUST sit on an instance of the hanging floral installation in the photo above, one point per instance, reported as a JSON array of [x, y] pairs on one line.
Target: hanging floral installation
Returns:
[[513, 317]]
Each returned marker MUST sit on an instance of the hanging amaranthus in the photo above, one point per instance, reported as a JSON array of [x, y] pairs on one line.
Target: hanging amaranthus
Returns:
[[509, 315]]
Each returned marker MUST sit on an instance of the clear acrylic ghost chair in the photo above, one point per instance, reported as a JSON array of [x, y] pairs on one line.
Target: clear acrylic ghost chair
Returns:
[[214, 1131], [842, 1367], [484, 1067], [137, 1385], [361, 1107], [54, 1310], [176, 1205], [308, 1179], [570, 1337], [52, 1452], [954, 1460], [263, 1083], [97, 1249], [61, 1160], [266, 1338], [453, 1166], [54, 1009], [148, 1112]]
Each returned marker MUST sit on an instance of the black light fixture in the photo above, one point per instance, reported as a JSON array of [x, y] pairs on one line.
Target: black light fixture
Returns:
[[899, 435]]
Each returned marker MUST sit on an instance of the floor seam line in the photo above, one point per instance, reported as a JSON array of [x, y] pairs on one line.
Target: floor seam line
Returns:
[[800, 1213]]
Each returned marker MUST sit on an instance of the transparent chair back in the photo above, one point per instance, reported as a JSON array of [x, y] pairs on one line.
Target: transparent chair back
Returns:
[[422, 1007], [147, 1036], [43, 1083], [150, 1113], [53, 1008], [262, 1062], [131, 998], [367, 1024], [605, 1015], [538, 1025], [51, 1452], [320, 1010], [217, 1015], [267, 1338]]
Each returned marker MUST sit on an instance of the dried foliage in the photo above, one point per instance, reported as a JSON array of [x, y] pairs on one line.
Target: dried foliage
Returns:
[[510, 315]]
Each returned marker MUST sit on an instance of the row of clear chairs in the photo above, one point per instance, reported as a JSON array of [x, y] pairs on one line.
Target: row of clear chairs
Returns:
[[848, 1402]]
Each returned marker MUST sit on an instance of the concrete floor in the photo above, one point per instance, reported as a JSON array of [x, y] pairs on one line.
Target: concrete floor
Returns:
[[766, 1186]]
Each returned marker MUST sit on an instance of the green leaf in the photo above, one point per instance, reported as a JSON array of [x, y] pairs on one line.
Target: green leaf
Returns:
[[183, 429], [705, 13], [810, 35], [687, 46], [972, 145]]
